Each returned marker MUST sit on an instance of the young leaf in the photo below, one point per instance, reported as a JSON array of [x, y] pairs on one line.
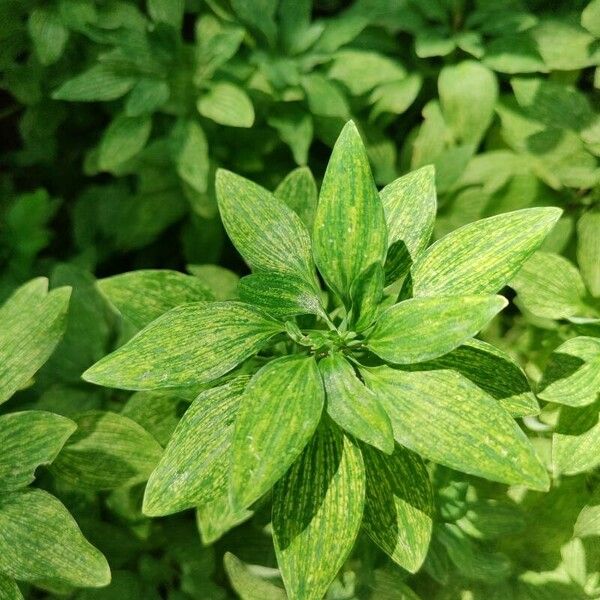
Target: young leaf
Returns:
[[143, 296], [122, 140], [191, 344], [32, 322], [317, 511], [366, 293], [40, 540], [279, 413], [107, 451], [572, 375], [227, 104], [194, 468], [409, 204], [494, 372], [448, 419], [398, 505], [353, 406], [424, 328], [248, 585], [549, 286], [482, 257], [29, 439], [299, 191], [588, 250], [280, 294], [349, 232], [266, 232]]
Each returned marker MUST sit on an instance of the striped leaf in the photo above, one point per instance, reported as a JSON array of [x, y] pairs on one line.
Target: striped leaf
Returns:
[[29, 439], [353, 406], [267, 233], [40, 540], [366, 293], [446, 418], [424, 328], [278, 415], [494, 372], [299, 191], [32, 322], [280, 294], [106, 452], [551, 287], [144, 295], [349, 232], [572, 375], [317, 511], [482, 257], [191, 344], [398, 505], [588, 250], [9, 590], [193, 470], [409, 204]]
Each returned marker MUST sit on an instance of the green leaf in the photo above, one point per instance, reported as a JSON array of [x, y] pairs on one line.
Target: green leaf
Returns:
[[590, 17], [266, 232], [482, 257], [299, 191], [588, 521], [191, 156], [247, 584], [221, 281], [146, 96], [167, 11], [395, 97], [279, 413], [588, 250], [295, 127], [398, 505], [324, 98], [198, 343], [468, 92], [280, 294], [259, 15], [366, 293], [494, 372], [227, 104], [122, 140], [40, 540], [409, 204], [99, 83], [29, 439], [48, 33], [353, 406], [32, 322], [194, 468], [214, 520], [317, 511], [349, 231], [572, 375], [448, 419], [514, 53], [107, 451], [550, 286], [424, 328], [143, 296], [9, 590]]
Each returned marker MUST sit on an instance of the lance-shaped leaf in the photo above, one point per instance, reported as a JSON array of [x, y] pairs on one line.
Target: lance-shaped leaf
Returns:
[[482, 257], [279, 413], [446, 418], [588, 250], [194, 468], [32, 322], [551, 287], [398, 505], [40, 540], [248, 584], [409, 204], [9, 590], [29, 439], [191, 344], [299, 191], [572, 375], [267, 233], [353, 406], [142, 296], [366, 293], [107, 451], [349, 232], [424, 328], [493, 371], [280, 294], [317, 511]]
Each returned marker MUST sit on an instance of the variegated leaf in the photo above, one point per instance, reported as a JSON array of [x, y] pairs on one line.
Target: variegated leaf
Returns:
[[299, 191]]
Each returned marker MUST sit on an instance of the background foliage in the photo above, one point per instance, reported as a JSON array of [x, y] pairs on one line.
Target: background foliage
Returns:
[[115, 117]]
